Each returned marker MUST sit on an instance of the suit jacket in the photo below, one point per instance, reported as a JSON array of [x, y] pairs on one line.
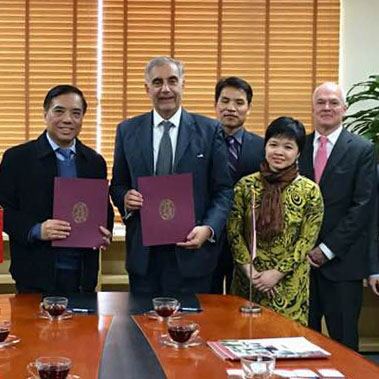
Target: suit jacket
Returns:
[[374, 249], [251, 156], [348, 186], [201, 151], [27, 175]]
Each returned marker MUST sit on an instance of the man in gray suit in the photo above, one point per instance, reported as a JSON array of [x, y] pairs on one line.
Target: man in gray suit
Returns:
[[344, 166], [186, 143], [233, 102]]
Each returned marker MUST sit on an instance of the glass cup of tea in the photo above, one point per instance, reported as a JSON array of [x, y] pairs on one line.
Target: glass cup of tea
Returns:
[[5, 328], [165, 306], [50, 367], [182, 331], [55, 306], [259, 366]]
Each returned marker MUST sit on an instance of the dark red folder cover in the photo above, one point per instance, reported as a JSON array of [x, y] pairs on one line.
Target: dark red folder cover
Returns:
[[84, 204], [167, 215], [1, 234]]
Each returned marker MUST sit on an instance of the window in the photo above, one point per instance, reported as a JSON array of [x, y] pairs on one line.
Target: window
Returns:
[[283, 48]]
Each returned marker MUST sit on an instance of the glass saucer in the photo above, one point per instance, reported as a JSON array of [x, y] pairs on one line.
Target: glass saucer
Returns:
[[166, 340], [10, 340], [155, 316], [64, 316]]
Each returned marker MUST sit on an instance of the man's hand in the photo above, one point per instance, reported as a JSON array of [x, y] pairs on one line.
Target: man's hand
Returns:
[[196, 238], [374, 284], [316, 257], [266, 280], [107, 237], [55, 230], [133, 200]]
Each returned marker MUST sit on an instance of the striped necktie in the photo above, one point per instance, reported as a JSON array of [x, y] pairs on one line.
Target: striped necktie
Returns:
[[232, 156]]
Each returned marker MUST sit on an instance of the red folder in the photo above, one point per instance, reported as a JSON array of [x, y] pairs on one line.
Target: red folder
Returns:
[[84, 204], [167, 215], [1, 235]]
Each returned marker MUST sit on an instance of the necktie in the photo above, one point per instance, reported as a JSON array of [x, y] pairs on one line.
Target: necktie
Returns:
[[164, 160], [65, 153], [232, 155], [67, 166], [321, 158]]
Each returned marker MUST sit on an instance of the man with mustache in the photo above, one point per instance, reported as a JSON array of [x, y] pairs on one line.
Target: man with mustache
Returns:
[[166, 141]]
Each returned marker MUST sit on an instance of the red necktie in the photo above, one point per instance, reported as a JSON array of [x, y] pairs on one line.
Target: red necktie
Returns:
[[321, 158]]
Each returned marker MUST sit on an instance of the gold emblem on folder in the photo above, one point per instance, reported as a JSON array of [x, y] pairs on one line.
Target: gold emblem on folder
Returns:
[[167, 209], [80, 212]]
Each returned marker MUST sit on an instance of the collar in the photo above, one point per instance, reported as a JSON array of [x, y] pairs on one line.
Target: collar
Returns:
[[238, 135], [175, 119], [332, 137], [55, 146]]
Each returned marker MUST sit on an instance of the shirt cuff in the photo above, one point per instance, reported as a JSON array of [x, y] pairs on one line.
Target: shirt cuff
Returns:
[[35, 233], [327, 252], [211, 239], [374, 276], [127, 214]]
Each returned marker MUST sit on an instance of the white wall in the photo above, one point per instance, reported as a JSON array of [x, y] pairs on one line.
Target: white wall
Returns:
[[359, 45]]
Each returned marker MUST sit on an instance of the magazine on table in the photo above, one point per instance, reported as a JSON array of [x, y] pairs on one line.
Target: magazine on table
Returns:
[[282, 348]]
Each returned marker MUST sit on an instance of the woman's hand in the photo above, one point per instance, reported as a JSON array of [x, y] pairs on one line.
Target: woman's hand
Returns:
[[266, 280], [246, 270]]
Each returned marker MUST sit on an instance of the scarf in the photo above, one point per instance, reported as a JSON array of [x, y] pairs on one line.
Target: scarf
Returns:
[[270, 213]]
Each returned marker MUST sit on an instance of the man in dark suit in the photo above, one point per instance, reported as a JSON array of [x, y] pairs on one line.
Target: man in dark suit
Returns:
[[27, 175], [373, 279], [233, 101], [185, 143], [344, 166]]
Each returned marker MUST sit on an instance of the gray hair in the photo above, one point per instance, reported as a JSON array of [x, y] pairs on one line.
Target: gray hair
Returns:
[[162, 61], [336, 87]]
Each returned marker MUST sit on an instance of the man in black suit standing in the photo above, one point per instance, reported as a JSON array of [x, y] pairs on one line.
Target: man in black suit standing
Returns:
[[233, 102], [373, 279], [344, 166], [27, 175], [165, 141]]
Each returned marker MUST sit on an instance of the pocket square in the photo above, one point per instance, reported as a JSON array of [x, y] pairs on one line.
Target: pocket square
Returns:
[[200, 155]]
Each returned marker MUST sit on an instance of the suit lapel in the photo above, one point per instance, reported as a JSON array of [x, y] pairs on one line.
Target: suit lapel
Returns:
[[339, 150], [246, 155], [46, 153], [308, 158], [186, 130], [144, 140]]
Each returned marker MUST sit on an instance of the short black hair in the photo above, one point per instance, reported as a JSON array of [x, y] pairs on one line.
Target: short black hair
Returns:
[[287, 127], [235, 82], [62, 90]]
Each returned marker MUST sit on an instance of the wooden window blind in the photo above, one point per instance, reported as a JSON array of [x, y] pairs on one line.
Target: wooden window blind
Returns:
[[282, 47], [43, 44]]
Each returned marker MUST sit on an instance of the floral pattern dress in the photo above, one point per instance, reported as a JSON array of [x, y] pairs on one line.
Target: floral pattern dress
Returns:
[[303, 213]]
